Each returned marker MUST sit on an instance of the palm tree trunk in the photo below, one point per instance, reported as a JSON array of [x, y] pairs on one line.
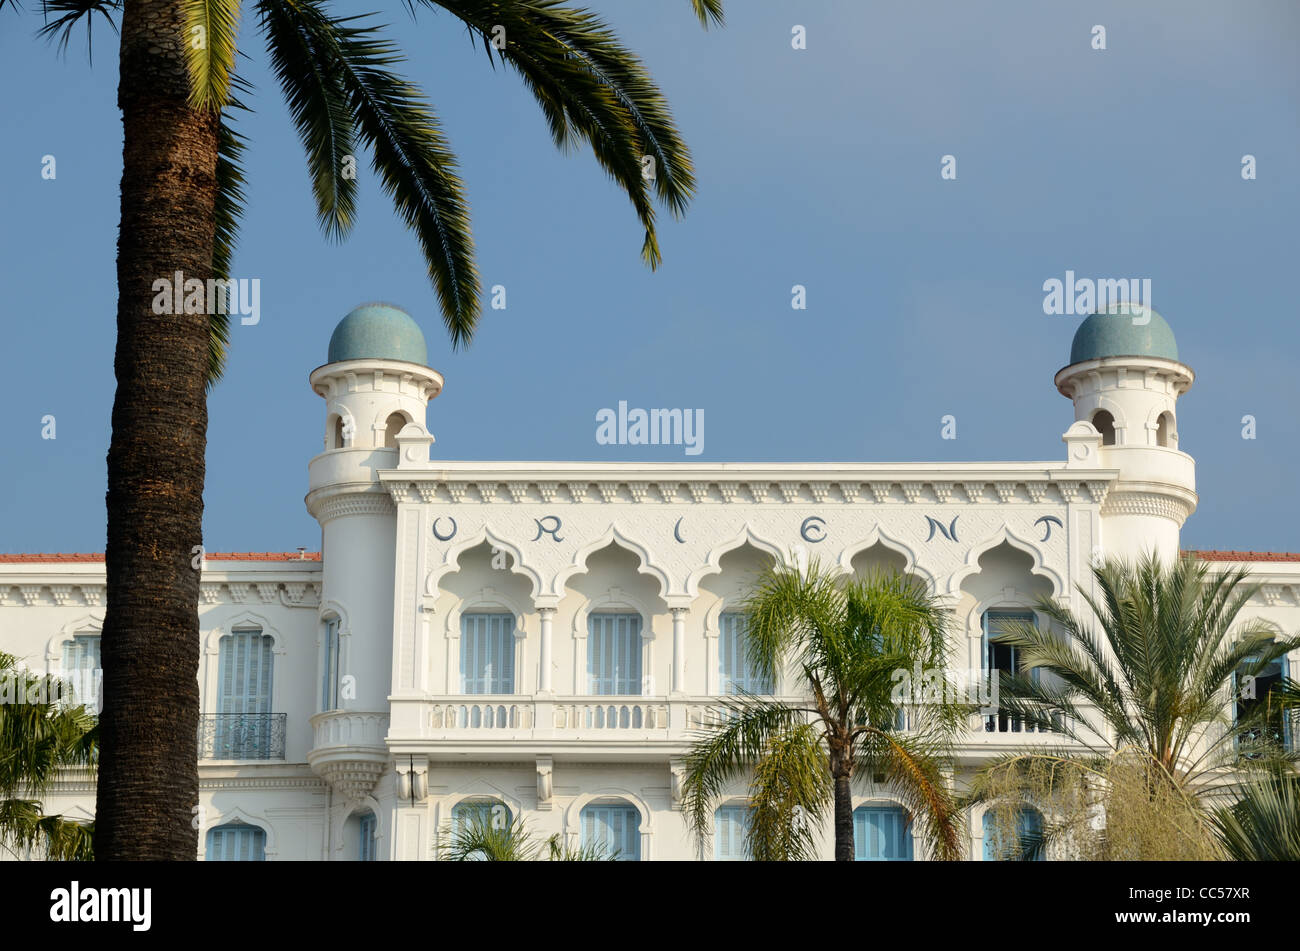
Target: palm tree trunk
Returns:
[[843, 819], [841, 764], [148, 775]]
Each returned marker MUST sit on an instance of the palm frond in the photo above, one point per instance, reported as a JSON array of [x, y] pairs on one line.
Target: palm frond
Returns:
[[408, 150], [319, 106], [227, 212], [73, 12], [1263, 824], [591, 87], [788, 797], [729, 748], [209, 38]]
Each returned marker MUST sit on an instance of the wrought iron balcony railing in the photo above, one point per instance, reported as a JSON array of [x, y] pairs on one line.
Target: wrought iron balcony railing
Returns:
[[242, 735]]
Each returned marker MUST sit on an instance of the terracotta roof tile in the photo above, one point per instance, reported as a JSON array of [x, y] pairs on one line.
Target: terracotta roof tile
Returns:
[[1216, 555]]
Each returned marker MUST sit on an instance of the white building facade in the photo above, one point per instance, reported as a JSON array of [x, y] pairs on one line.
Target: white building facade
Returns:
[[542, 639]]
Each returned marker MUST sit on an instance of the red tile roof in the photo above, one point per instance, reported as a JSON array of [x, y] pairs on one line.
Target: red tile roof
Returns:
[[1215, 555], [98, 556]]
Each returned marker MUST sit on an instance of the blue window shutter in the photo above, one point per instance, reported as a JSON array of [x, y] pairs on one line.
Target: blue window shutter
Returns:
[[736, 674], [82, 667], [366, 852], [329, 687], [236, 842], [881, 834], [485, 810], [614, 828], [614, 654], [244, 682], [487, 653], [730, 824]]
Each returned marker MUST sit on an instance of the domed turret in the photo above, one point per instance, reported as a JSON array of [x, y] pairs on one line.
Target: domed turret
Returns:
[[1125, 378], [378, 331], [377, 388], [1124, 330]]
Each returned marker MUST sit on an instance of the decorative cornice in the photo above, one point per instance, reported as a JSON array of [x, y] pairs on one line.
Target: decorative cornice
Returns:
[[1047, 489], [1147, 503], [355, 503]]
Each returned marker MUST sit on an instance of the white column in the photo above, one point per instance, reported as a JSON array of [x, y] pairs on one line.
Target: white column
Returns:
[[544, 651], [679, 650]]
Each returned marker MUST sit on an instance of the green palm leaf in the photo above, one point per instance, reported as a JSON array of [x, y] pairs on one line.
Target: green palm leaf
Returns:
[[210, 28]]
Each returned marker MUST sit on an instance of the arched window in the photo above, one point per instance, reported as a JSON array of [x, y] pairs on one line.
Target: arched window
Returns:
[[735, 673], [246, 660], [392, 427], [487, 653], [1025, 845], [730, 826], [489, 813], [236, 842], [1001, 656], [614, 827], [881, 834], [366, 851], [1164, 429], [336, 432], [83, 670], [1255, 685], [1105, 423], [329, 688], [614, 654]]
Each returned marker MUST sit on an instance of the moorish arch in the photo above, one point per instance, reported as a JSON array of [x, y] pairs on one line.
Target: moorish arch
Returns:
[[451, 562], [747, 539], [612, 538]]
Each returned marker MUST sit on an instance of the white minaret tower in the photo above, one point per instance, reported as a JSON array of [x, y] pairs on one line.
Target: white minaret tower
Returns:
[[1125, 379], [376, 384]]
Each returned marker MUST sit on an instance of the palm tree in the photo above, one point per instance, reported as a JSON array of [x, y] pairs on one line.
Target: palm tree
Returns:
[[40, 734], [180, 206], [1160, 668], [479, 839], [849, 639], [1263, 823]]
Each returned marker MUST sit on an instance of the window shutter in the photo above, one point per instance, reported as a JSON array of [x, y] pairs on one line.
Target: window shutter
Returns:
[[736, 674], [614, 654], [245, 661], [487, 654], [613, 827]]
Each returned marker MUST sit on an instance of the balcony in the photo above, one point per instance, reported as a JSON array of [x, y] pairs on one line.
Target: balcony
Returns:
[[242, 736], [618, 727]]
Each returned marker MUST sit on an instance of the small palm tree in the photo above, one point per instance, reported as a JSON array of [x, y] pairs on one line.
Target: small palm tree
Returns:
[[1160, 668], [479, 838], [848, 639], [40, 734], [1263, 824]]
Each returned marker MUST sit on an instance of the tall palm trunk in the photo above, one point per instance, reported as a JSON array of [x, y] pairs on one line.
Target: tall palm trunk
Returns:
[[148, 776], [842, 773]]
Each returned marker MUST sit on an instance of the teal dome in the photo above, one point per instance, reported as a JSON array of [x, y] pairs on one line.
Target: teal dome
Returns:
[[378, 331], [1124, 330]]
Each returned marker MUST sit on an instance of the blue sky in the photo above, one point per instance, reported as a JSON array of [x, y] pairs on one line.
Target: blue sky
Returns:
[[817, 167]]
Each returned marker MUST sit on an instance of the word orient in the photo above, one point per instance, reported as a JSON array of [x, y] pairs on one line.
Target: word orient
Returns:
[[1086, 296], [934, 686], [656, 427], [213, 296]]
